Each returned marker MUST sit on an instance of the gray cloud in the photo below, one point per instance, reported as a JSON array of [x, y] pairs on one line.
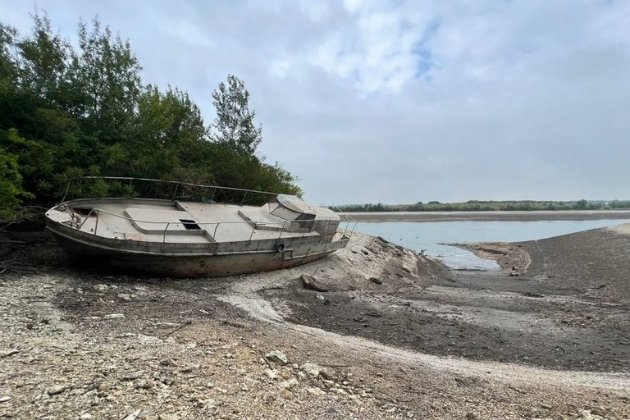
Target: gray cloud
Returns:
[[402, 101]]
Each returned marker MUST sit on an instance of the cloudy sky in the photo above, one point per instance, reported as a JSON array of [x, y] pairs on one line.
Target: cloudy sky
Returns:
[[401, 101]]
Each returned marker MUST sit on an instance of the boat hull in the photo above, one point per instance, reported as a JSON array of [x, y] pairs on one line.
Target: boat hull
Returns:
[[174, 260]]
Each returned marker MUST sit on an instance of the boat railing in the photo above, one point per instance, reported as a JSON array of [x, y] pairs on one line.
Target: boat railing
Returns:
[[176, 186], [344, 227], [348, 223]]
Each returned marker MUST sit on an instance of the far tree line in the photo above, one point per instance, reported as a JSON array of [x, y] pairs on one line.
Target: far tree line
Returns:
[[476, 205], [67, 112]]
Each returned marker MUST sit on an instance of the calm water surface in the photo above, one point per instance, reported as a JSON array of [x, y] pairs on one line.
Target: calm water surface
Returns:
[[431, 236]]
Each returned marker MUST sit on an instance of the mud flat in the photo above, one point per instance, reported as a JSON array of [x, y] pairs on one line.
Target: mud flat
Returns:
[[374, 331], [483, 216]]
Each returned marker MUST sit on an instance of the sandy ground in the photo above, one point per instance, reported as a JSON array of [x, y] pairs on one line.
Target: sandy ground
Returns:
[[389, 334]]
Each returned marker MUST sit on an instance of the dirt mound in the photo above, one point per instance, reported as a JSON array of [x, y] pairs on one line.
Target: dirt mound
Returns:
[[592, 263]]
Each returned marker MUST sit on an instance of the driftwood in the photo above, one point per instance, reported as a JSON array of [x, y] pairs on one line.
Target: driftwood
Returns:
[[32, 214], [22, 214], [179, 327], [16, 266]]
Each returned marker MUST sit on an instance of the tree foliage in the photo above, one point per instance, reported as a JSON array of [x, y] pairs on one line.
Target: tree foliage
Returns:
[[234, 123], [70, 111]]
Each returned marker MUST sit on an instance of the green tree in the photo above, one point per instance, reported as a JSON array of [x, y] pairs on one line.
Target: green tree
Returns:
[[105, 80], [580, 205], [43, 63], [170, 137], [8, 68], [67, 112], [234, 123], [11, 191]]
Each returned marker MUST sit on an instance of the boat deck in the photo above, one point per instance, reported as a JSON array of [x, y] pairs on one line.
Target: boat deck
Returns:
[[186, 222]]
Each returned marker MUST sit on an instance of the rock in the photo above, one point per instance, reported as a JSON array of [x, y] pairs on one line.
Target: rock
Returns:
[[315, 391], [312, 369], [277, 356], [375, 280], [132, 376], [101, 287], [326, 374], [589, 415], [86, 416], [212, 403], [149, 340], [124, 296], [320, 297], [190, 368], [339, 391], [290, 384], [114, 316], [271, 373], [311, 283], [142, 384], [56, 389], [287, 395], [166, 379], [4, 398], [210, 384], [133, 416]]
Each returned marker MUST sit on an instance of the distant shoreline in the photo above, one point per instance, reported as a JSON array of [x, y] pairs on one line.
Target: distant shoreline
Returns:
[[520, 216]]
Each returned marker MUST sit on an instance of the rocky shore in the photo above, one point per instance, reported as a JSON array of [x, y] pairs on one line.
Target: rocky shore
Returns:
[[374, 331]]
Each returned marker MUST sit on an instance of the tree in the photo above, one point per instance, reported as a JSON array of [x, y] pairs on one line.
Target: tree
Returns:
[[580, 205], [234, 123], [11, 191], [105, 81], [170, 139], [43, 63], [66, 112], [8, 68]]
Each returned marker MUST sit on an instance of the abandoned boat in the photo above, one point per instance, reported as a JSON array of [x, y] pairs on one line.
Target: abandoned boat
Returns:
[[178, 238]]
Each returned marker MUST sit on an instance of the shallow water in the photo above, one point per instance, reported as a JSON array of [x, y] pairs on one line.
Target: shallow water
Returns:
[[431, 236]]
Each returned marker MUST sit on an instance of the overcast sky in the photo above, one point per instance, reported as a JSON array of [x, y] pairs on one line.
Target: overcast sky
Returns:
[[401, 101]]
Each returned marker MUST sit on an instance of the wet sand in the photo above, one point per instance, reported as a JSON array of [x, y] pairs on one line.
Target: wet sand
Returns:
[[487, 216], [558, 303]]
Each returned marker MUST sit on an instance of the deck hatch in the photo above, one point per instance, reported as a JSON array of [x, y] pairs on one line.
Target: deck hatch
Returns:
[[190, 224]]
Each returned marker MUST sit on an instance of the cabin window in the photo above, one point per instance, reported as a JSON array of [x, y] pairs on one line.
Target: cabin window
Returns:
[[190, 224]]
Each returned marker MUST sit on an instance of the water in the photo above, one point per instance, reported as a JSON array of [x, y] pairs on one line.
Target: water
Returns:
[[432, 236]]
